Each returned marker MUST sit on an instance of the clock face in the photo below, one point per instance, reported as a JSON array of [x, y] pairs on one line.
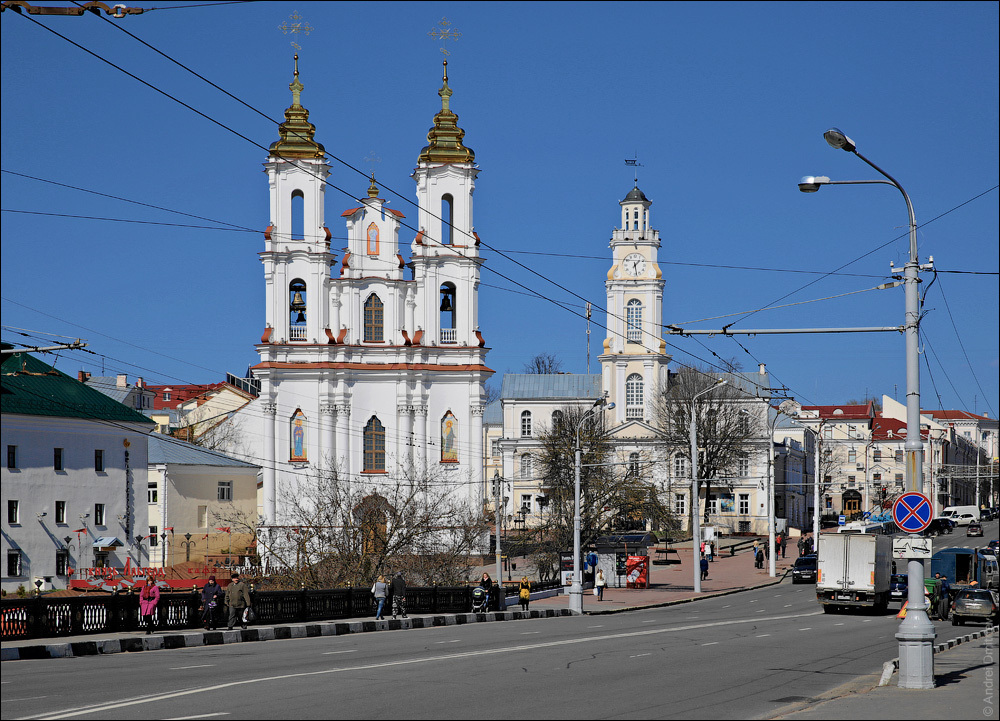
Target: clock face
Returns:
[[634, 264]]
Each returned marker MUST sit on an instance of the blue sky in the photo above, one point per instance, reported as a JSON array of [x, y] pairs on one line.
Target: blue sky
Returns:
[[723, 104]]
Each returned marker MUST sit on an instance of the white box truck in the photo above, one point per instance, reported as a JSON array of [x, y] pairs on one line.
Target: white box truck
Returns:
[[853, 569]]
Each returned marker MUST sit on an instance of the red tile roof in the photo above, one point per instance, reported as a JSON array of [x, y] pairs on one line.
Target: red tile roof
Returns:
[[350, 212], [852, 412], [956, 416]]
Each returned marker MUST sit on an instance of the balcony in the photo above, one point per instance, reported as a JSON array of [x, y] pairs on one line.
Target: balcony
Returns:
[[448, 335], [297, 333]]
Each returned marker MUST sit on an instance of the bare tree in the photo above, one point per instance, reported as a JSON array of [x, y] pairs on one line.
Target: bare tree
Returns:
[[730, 423], [543, 363], [335, 533], [615, 492]]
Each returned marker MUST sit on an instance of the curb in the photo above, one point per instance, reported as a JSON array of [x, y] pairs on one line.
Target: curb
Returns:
[[679, 601], [267, 633], [892, 665]]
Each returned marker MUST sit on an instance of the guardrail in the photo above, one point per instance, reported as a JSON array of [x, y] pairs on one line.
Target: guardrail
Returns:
[[44, 617]]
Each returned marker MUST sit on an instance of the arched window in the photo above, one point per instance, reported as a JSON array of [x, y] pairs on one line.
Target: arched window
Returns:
[[526, 424], [447, 219], [448, 299], [633, 397], [633, 465], [297, 310], [372, 238], [526, 467], [680, 467], [373, 319], [557, 419], [374, 461], [298, 215], [633, 321]]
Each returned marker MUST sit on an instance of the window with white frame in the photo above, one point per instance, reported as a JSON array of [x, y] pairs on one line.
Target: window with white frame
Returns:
[[743, 507], [899, 455], [743, 467], [877, 455], [633, 321], [99, 514], [557, 419], [526, 424], [680, 504], [852, 455], [633, 397], [13, 512], [60, 511], [152, 494], [680, 467], [526, 467], [713, 504], [13, 563], [633, 465], [495, 447], [225, 490], [526, 503], [62, 562], [153, 538], [202, 516]]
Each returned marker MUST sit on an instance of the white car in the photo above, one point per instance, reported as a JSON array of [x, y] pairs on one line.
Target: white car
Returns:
[[963, 519]]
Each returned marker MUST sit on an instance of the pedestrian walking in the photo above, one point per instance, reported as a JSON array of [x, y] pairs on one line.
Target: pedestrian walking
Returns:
[[380, 590], [398, 595], [756, 552], [238, 600], [600, 583], [784, 542], [149, 598], [710, 550], [801, 543], [704, 568], [524, 593], [777, 545], [211, 598]]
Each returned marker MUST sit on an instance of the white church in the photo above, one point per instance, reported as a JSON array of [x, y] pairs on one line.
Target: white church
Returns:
[[370, 363]]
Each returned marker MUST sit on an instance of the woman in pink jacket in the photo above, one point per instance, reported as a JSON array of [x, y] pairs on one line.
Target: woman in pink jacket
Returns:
[[148, 598]]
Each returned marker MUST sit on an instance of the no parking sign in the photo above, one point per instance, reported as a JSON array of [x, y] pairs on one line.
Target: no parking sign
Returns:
[[912, 512]]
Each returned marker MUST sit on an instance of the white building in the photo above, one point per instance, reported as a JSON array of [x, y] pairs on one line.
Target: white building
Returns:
[[369, 363], [71, 486]]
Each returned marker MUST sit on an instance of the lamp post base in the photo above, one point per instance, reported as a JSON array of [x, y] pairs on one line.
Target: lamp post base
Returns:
[[916, 651], [576, 598]]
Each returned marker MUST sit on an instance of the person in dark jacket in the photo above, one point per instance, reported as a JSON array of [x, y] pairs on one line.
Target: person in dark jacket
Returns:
[[398, 595], [238, 600], [211, 598], [704, 568]]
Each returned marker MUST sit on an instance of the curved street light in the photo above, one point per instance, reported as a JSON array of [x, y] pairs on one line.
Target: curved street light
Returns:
[[916, 633]]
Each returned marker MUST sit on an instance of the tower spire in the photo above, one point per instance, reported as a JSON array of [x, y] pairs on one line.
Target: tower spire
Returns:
[[445, 137], [297, 133]]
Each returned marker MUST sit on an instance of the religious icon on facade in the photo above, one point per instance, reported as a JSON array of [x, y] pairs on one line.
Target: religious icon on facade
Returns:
[[449, 438], [372, 239], [298, 444]]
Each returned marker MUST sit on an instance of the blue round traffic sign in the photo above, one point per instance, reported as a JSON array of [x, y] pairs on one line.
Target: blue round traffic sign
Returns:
[[912, 512]]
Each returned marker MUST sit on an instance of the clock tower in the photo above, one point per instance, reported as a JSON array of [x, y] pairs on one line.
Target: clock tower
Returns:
[[634, 360]]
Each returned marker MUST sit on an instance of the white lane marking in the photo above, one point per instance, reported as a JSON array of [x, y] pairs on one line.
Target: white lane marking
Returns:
[[778, 595], [807, 628], [600, 626], [26, 698], [640, 655], [654, 621], [181, 668], [331, 653], [760, 610], [529, 633], [711, 643], [157, 698], [762, 635], [201, 715], [727, 605], [838, 624], [867, 620], [788, 605]]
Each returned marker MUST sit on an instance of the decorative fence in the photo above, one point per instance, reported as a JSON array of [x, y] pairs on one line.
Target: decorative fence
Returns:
[[44, 617]]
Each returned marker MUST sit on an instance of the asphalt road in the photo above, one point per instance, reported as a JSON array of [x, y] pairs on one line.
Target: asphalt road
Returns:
[[738, 656]]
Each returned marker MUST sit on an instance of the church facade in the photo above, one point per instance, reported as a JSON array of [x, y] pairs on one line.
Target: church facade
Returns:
[[372, 366]]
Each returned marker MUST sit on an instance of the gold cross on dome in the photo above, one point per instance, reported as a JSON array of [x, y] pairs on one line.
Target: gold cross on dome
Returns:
[[295, 27], [445, 32]]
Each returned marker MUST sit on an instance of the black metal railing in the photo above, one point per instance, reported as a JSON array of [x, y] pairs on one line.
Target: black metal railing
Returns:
[[44, 617]]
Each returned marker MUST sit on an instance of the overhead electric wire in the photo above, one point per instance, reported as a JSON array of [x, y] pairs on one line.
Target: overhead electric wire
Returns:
[[944, 370]]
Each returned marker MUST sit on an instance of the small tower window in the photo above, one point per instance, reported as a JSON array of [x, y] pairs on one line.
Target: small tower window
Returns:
[[373, 319], [526, 424], [527, 467], [633, 321], [633, 397], [297, 310], [448, 313], [298, 214], [374, 460], [447, 219]]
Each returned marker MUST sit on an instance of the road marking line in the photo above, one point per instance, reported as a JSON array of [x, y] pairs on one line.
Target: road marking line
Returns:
[[808, 628], [26, 698], [529, 633], [867, 620], [181, 668], [330, 653], [655, 621], [788, 605], [727, 605], [160, 697], [712, 643], [201, 715], [641, 655], [762, 635], [838, 624], [600, 626], [760, 610]]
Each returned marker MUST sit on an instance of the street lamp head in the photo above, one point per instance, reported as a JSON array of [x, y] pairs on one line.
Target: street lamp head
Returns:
[[837, 139], [811, 183], [610, 406]]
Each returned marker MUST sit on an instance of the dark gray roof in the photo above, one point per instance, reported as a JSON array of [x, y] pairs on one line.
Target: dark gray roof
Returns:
[[164, 449], [635, 195], [542, 386]]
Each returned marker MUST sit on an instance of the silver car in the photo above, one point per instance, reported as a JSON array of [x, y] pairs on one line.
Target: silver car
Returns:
[[975, 604]]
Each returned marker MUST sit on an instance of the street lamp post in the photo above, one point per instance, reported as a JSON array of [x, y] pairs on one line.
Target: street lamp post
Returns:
[[695, 509], [187, 543], [497, 517], [916, 633], [576, 588]]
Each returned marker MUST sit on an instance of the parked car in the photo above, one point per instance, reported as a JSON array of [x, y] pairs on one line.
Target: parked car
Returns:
[[975, 604], [804, 570], [994, 547], [975, 529], [939, 526], [898, 587], [964, 519]]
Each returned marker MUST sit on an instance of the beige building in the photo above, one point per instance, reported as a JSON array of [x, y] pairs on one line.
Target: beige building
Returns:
[[193, 495]]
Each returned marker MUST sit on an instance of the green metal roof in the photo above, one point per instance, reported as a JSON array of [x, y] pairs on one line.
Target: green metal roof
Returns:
[[30, 387]]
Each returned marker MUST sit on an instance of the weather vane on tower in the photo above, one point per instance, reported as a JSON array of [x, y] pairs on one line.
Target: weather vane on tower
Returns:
[[445, 32], [634, 162], [295, 27]]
